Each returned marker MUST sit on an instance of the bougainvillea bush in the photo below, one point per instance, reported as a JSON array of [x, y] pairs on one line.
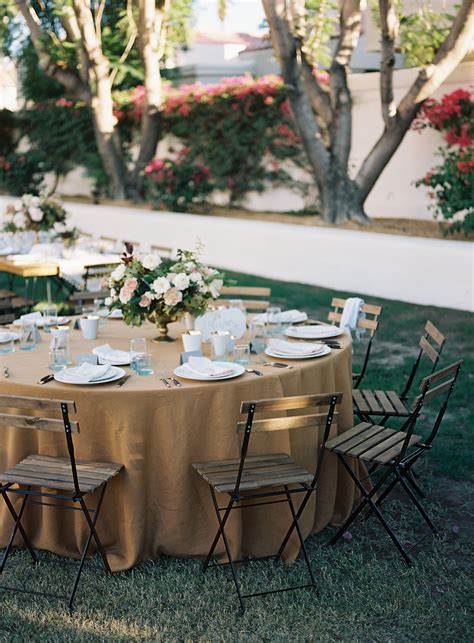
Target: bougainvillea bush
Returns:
[[451, 182]]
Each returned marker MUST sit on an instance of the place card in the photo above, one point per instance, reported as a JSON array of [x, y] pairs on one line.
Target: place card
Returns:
[[184, 357], [87, 357]]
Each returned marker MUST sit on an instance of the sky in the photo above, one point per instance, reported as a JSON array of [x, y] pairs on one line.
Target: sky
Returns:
[[242, 15]]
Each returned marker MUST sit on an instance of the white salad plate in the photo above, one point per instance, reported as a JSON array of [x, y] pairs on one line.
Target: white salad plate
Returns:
[[324, 351], [114, 374], [313, 332], [237, 371]]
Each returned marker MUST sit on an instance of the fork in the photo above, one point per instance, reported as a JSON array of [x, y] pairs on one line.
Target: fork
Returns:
[[254, 371]]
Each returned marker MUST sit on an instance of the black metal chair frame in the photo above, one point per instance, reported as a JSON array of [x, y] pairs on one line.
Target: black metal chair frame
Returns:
[[237, 497], [91, 516], [398, 470]]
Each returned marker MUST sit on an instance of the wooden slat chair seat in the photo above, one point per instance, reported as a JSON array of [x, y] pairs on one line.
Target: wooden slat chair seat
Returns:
[[259, 471], [255, 298], [55, 473], [389, 404], [268, 478], [45, 477], [368, 321], [393, 453]]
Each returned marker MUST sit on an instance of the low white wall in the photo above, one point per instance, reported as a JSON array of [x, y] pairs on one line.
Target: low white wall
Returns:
[[411, 269]]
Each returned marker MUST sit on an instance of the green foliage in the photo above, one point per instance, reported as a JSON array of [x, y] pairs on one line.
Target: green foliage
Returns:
[[322, 20], [20, 173], [8, 128]]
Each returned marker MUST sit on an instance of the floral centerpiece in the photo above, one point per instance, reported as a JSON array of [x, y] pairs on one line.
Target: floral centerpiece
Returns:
[[162, 290], [39, 214]]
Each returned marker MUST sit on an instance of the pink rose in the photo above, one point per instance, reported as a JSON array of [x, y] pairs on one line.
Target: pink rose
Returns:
[[125, 295], [144, 302], [130, 285], [173, 296]]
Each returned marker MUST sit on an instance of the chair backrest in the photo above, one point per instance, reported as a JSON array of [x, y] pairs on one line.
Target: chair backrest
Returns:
[[278, 407], [248, 295], [7, 318], [437, 386], [431, 344], [22, 413], [164, 251], [369, 318]]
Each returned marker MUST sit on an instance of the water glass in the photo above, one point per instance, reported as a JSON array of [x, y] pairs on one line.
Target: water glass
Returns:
[[50, 317], [192, 340], [28, 336], [58, 359], [242, 354], [219, 345], [258, 333], [238, 304], [143, 364], [137, 348], [8, 346], [273, 320]]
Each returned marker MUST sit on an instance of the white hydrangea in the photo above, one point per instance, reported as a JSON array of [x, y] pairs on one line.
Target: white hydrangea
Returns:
[[119, 272], [161, 285], [151, 261], [181, 281]]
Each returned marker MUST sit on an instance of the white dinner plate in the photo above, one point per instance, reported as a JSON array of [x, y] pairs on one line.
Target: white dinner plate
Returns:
[[110, 314], [325, 351], [297, 319], [115, 362], [238, 370], [6, 336], [322, 331], [40, 322], [115, 374]]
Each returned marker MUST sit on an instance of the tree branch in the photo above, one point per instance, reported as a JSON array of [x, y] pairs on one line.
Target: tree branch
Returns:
[[70, 80], [449, 55], [130, 43], [389, 26], [70, 26], [319, 96]]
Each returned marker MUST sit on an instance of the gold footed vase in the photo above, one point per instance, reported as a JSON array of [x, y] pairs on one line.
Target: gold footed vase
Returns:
[[161, 322]]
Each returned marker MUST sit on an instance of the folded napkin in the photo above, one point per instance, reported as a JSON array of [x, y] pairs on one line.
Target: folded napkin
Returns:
[[285, 317], [32, 317], [292, 348], [204, 366], [6, 336], [350, 314], [87, 373], [321, 329], [108, 354]]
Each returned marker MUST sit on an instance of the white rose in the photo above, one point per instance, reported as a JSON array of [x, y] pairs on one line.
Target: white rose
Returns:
[[173, 297], [59, 227], [150, 294], [161, 285], [215, 287], [108, 301], [181, 281], [19, 220], [26, 198], [18, 205], [35, 201], [196, 277], [119, 272], [150, 262], [36, 214]]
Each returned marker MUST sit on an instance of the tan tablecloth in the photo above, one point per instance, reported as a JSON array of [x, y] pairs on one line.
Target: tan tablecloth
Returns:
[[158, 504]]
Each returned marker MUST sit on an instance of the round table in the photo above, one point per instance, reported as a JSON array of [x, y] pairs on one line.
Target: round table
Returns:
[[158, 504]]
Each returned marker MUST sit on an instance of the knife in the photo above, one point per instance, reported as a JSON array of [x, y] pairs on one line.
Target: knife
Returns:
[[175, 382], [46, 378], [123, 380], [6, 372]]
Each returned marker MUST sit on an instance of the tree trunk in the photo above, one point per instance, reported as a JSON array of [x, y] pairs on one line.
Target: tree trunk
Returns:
[[340, 198], [111, 154]]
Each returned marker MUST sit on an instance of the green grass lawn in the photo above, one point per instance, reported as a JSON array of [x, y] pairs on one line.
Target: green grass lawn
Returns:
[[365, 592]]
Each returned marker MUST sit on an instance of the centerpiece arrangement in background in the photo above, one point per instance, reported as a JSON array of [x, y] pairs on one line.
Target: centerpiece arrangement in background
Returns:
[[162, 290], [43, 215]]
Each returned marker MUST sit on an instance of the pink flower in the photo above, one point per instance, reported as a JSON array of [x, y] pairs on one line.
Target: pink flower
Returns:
[[144, 302], [173, 296], [125, 295], [130, 285]]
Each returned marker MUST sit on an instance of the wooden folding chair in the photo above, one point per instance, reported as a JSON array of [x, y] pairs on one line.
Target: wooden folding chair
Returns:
[[369, 320], [395, 452], [43, 479], [165, 252], [387, 404], [250, 295], [270, 476], [111, 244]]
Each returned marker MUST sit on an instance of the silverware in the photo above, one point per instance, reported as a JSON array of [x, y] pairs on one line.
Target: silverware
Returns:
[[165, 382], [278, 364], [6, 372], [254, 371], [123, 380], [175, 382], [46, 378]]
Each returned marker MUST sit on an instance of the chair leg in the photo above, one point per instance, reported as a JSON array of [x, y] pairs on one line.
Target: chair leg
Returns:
[[300, 536], [376, 510], [301, 508], [221, 532], [411, 479], [92, 534], [381, 498], [17, 527], [417, 504]]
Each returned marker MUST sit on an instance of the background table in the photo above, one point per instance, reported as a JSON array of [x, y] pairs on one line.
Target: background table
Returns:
[[158, 504]]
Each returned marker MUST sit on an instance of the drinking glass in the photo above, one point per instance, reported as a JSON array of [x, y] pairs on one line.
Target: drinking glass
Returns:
[[238, 304], [137, 348], [273, 320], [143, 364], [242, 354], [50, 317], [258, 333], [28, 336], [57, 359], [219, 345], [8, 346]]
